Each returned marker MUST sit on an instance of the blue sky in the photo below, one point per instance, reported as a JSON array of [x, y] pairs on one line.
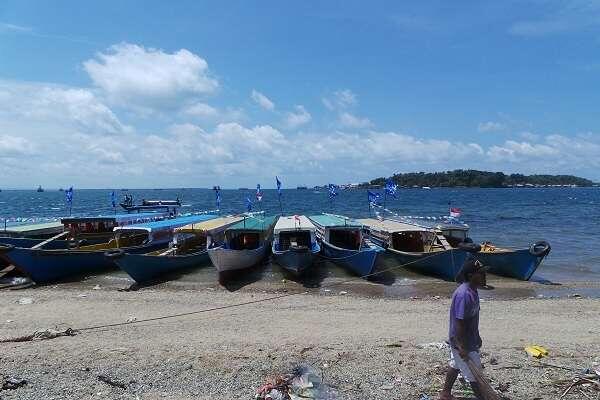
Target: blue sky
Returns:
[[144, 94]]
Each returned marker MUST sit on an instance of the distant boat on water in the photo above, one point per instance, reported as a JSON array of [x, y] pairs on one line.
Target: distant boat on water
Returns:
[[61, 190], [40, 189], [302, 187]]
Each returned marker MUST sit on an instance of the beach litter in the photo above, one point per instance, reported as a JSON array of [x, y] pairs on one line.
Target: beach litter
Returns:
[[304, 382], [25, 300], [13, 383], [109, 381], [434, 345], [536, 351]]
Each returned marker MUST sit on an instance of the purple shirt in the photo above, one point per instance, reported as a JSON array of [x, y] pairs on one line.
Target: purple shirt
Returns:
[[465, 306]]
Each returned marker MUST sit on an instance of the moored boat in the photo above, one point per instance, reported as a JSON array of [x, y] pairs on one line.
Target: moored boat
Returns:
[[167, 206], [28, 235], [83, 250], [294, 243], [518, 263], [343, 242], [419, 248], [188, 249], [245, 245]]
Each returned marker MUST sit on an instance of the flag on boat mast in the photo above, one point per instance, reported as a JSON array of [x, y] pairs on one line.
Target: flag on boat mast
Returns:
[[69, 198], [374, 198], [332, 190], [259, 194], [390, 187], [113, 200], [218, 196], [278, 182], [455, 212]]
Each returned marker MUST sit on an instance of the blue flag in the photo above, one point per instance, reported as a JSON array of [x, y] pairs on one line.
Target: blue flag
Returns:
[[248, 204], [113, 199], [391, 187], [69, 195], [374, 198], [332, 190], [218, 196], [278, 185]]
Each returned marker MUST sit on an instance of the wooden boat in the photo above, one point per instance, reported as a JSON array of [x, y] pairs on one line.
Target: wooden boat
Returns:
[[246, 244], [295, 244], [87, 238], [29, 235], [343, 242], [518, 263], [422, 249], [188, 249]]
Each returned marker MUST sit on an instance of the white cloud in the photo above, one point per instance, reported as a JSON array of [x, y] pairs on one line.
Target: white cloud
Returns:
[[297, 117], [262, 100], [340, 100], [559, 17], [14, 28], [490, 126], [129, 73], [13, 146], [201, 110], [350, 121]]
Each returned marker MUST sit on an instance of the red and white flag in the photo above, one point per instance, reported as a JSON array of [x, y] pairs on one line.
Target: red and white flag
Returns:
[[455, 212]]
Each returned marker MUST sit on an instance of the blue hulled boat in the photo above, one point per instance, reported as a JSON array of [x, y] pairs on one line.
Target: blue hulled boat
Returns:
[[343, 243], [44, 264], [294, 243], [418, 248], [519, 263], [188, 249]]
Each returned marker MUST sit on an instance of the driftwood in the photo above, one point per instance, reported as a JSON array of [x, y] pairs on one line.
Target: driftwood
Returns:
[[40, 335], [580, 381], [486, 389]]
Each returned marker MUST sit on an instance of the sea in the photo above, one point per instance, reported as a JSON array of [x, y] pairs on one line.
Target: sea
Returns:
[[517, 217]]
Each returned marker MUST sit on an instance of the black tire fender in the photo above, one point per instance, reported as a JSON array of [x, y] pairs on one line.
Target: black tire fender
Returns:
[[540, 249]]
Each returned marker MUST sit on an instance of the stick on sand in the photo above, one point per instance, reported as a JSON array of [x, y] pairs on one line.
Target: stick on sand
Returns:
[[487, 391]]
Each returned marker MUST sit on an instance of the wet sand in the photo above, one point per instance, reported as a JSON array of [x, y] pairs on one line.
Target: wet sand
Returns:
[[363, 336]]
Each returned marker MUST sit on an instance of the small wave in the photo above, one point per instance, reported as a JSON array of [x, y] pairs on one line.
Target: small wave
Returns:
[[55, 208], [186, 205]]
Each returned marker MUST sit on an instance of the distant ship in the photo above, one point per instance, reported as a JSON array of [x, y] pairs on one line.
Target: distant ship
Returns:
[[302, 187], [39, 189], [61, 190], [243, 188]]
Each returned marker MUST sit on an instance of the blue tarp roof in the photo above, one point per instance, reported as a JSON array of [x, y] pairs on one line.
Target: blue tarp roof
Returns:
[[119, 218], [168, 223]]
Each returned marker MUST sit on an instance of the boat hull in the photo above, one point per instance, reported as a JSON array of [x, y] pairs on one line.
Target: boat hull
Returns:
[[227, 260], [518, 264], [45, 266], [296, 261], [444, 264], [358, 262], [144, 268]]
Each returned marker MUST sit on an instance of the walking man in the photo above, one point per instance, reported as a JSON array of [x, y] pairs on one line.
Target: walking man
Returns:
[[464, 338]]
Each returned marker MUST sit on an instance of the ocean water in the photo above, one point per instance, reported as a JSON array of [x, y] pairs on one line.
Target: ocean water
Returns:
[[517, 217]]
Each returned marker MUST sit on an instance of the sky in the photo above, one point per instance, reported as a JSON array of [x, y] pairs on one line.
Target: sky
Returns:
[[201, 93]]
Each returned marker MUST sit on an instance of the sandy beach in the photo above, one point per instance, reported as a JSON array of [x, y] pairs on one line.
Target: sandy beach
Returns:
[[365, 347]]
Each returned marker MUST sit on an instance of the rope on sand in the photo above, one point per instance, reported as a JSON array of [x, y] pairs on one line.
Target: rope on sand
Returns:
[[52, 334]]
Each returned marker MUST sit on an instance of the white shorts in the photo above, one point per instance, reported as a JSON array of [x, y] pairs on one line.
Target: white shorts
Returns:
[[457, 362]]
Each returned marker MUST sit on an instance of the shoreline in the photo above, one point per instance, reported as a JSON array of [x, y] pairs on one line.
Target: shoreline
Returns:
[[365, 347]]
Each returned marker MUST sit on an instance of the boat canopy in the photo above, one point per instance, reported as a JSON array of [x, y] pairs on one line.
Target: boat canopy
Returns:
[[254, 223], [332, 221], [392, 226], [293, 223], [32, 229], [209, 226], [119, 219], [166, 224]]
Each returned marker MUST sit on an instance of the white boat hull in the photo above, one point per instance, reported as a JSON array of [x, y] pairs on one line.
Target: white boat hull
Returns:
[[226, 260]]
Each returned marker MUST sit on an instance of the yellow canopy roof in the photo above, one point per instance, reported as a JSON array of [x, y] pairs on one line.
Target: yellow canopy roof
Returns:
[[211, 225]]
